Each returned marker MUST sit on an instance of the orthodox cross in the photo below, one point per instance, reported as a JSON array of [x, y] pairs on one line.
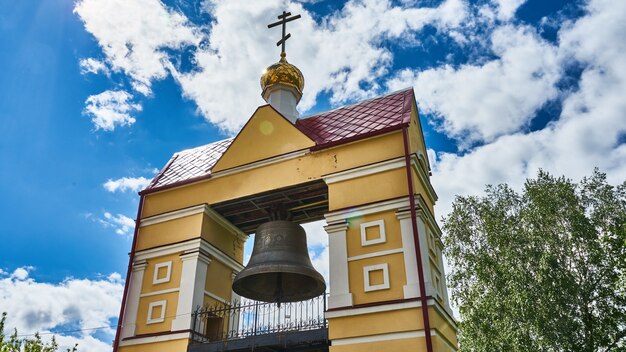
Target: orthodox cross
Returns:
[[284, 18]]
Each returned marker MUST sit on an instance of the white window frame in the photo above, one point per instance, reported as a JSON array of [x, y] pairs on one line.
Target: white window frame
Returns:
[[151, 306], [366, 277], [168, 275], [381, 227]]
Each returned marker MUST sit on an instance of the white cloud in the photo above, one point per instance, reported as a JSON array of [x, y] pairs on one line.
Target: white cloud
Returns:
[[134, 35], [41, 307], [587, 133], [122, 224], [111, 108], [227, 67], [124, 184], [22, 273], [91, 65], [320, 260], [507, 8], [476, 103], [347, 43]]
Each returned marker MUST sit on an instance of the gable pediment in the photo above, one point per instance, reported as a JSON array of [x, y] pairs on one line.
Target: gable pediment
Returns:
[[266, 134]]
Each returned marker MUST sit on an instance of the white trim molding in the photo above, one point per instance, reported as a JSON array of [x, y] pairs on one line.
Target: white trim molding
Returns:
[[382, 238], [153, 339], [374, 309], [168, 272], [392, 204], [216, 297], [261, 163], [364, 170], [378, 338], [161, 292], [375, 254], [161, 317], [366, 277], [193, 210]]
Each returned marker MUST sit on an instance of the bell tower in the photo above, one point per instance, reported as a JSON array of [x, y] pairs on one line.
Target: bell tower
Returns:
[[362, 168]]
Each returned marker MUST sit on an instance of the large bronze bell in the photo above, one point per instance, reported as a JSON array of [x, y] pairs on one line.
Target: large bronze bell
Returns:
[[279, 269]]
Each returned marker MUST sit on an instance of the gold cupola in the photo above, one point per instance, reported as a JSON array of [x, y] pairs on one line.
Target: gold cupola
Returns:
[[282, 72], [282, 84]]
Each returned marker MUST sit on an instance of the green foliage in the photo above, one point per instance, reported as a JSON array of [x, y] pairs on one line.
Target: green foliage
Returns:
[[544, 270], [14, 344]]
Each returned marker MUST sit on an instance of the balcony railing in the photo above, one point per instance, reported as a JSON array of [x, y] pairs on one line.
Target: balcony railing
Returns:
[[246, 318]]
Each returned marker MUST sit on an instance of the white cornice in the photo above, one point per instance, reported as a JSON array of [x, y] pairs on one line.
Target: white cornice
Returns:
[[369, 310], [153, 339], [197, 209], [348, 312], [261, 163], [172, 215], [364, 170], [367, 209], [216, 297], [375, 254], [169, 290], [379, 337]]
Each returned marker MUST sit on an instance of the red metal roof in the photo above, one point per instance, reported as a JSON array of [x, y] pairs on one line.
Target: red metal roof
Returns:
[[337, 126], [360, 119]]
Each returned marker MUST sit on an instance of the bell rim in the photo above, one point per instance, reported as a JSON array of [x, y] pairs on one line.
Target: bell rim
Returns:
[[317, 290]]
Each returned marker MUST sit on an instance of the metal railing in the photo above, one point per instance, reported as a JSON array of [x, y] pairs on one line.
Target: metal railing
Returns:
[[245, 318]]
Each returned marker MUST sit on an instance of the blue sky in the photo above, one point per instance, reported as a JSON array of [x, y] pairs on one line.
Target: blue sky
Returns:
[[96, 95]]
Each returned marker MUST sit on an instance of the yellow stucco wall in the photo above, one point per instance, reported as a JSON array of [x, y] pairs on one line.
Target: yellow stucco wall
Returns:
[[392, 230], [397, 279], [294, 171], [375, 323], [148, 277], [219, 280], [170, 313], [389, 184], [165, 346], [169, 232], [391, 322], [267, 134], [416, 344], [442, 326], [251, 146], [222, 238]]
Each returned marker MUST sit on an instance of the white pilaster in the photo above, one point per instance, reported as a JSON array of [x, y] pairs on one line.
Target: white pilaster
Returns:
[[340, 295], [132, 300], [412, 287], [192, 282], [428, 280]]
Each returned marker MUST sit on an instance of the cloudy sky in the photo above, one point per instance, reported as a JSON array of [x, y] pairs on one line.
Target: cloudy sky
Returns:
[[96, 95]]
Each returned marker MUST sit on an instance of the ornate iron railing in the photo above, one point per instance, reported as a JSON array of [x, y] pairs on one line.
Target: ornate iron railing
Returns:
[[245, 318]]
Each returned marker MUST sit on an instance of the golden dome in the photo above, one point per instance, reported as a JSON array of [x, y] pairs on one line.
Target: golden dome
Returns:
[[282, 72]]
